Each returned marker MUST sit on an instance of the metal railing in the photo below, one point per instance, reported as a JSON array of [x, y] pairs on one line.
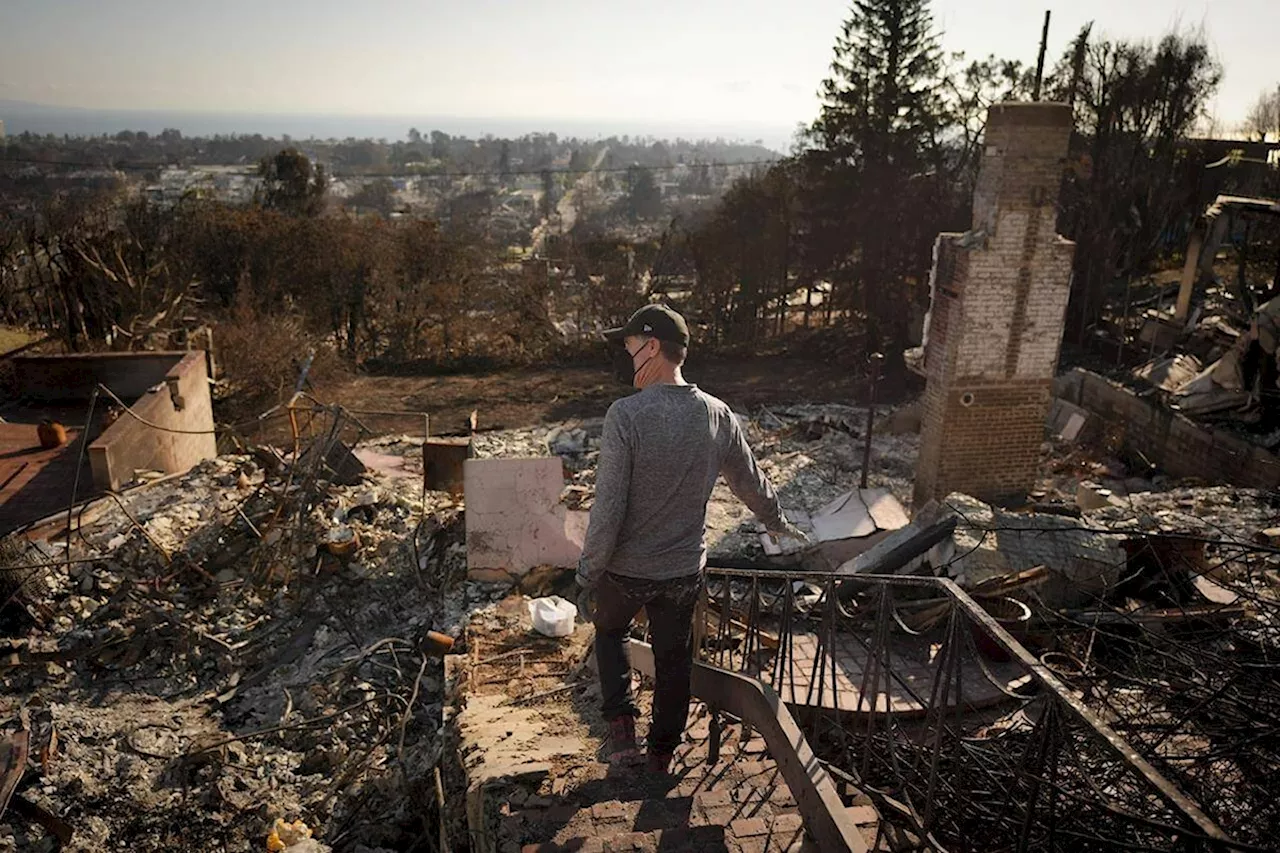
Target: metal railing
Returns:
[[913, 692]]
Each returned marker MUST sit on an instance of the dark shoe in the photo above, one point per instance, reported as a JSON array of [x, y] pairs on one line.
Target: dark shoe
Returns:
[[622, 741], [658, 763]]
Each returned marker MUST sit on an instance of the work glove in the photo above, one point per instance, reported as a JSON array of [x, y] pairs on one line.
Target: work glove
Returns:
[[787, 530], [587, 596], [587, 604], [583, 575]]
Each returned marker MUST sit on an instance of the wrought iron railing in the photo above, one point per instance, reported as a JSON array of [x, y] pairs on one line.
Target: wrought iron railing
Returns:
[[918, 696]]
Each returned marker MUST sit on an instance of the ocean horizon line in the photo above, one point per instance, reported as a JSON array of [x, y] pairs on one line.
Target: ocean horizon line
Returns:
[[20, 117]]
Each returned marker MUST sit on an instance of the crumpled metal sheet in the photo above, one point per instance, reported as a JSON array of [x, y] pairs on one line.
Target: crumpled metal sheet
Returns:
[[13, 761]]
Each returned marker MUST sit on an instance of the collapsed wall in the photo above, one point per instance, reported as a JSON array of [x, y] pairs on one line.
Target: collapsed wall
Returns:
[[171, 426], [1168, 439]]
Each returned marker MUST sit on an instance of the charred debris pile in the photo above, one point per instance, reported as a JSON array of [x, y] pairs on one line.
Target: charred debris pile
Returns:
[[188, 662]]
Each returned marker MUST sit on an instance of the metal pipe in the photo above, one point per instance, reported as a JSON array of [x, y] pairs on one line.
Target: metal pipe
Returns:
[[877, 359]]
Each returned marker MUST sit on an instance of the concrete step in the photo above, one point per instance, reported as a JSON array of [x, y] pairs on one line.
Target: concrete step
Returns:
[[738, 804]]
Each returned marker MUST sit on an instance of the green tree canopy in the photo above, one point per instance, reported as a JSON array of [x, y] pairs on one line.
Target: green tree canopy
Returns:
[[291, 184]]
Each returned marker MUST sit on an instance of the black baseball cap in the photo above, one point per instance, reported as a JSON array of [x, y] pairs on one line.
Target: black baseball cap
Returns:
[[653, 321]]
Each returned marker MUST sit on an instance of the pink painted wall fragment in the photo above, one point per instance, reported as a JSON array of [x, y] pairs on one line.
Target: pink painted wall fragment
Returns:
[[515, 520]]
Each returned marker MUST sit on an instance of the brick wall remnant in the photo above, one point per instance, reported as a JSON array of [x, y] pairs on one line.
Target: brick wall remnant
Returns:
[[1174, 443], [995, 327]]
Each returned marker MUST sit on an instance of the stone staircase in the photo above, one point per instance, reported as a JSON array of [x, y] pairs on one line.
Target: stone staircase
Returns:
[[525, 722], [738, 804]]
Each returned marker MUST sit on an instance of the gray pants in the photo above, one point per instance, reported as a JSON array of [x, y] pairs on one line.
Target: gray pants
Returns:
[[670, 605]]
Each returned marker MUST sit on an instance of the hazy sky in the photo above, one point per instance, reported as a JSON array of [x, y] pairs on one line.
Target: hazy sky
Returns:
[[662, 60]]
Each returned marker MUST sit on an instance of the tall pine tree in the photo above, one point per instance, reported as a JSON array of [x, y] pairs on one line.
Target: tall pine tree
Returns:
[[875, 172], [882, 106]]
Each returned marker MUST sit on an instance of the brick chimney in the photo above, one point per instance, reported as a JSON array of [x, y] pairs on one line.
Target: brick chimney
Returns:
[[999, 298]]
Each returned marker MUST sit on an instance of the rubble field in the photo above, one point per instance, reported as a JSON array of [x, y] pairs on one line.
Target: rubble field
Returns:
[[1157, 599], [261, 639], [245, 643]]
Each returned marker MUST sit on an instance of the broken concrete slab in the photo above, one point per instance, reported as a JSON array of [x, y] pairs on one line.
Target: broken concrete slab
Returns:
[[1067, 421], [971, 555], [515, 520], [1075, 423], [885, 510], [1092, 496], [846, 517], [1083, 565], [851, 524], [504, 737], [902, 552]]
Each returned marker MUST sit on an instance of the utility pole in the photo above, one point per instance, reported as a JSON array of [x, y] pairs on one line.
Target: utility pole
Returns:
[[876, 359], [1044, 44]]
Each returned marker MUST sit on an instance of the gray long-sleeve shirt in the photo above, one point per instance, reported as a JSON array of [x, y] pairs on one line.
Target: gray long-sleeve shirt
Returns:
[[661, 452]]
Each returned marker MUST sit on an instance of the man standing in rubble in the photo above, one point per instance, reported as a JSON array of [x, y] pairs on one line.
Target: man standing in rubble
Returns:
[[660, 455]]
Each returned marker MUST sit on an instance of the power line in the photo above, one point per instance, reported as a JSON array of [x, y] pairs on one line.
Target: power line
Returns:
[[140, 167]]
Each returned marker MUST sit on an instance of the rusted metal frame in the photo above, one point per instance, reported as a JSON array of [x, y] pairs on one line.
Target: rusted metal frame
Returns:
[[948, 661], [967, 634], [784, 663], [1055, 751], [1108, 736], [724, 641], [1186, 716], [1070, 704], [876, 654], [830, 619], [1101, 731], [784, 660], [749, 699], [824, 637], [957, 661], [1039, 759], [884, 628], [1102, 802], [828, 648], [13, 763], [723, 633], [879, 647], [751, 641], [949, 672], [974, 754], [880, 644], [890, 673]]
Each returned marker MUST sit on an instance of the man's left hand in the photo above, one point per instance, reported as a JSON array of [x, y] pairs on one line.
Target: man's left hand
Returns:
[[587, 604], [787, 530], [583, 576]]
